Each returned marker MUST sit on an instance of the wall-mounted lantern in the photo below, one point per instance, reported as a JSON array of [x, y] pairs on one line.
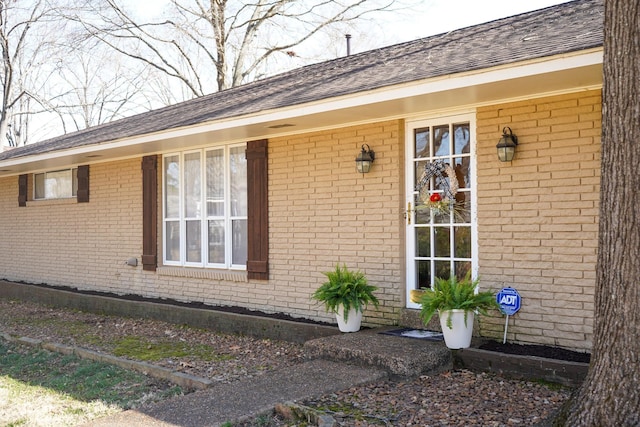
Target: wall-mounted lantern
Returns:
[[507, 145], [364, 159]]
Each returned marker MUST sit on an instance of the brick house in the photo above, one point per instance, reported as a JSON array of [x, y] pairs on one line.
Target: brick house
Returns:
[[244, 197]]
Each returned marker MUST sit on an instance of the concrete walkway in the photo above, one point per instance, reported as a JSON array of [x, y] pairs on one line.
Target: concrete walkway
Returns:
[[248, 398], [339, 362]]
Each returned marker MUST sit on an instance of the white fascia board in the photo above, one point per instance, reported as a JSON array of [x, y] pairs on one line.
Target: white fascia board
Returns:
[[405, 90], [448, 82]]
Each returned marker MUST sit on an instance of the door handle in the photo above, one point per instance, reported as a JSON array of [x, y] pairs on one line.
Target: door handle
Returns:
[[408, 213]]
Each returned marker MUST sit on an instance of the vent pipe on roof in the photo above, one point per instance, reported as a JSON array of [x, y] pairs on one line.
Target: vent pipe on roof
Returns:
[[348, 37]]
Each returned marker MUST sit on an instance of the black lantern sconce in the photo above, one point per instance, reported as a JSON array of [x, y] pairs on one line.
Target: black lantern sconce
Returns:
[[507, 145], [364, 159]]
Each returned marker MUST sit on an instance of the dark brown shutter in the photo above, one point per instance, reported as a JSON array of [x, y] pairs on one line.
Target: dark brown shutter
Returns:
[[83, 184], [258, 208], [149, 212], [22, 190]]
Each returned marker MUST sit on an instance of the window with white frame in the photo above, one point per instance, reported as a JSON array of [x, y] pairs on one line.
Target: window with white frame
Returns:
[[59, 184], [205, 208]]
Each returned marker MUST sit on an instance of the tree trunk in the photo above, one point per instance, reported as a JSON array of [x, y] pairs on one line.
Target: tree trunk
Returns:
[[217, 20], [610, 395]]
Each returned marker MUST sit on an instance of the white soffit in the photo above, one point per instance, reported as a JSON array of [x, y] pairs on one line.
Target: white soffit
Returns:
[[547, 76]]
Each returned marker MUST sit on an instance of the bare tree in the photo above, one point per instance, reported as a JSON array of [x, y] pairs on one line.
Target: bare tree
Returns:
[[55, 78], [92, 87], [50, 84], [209, 45], [610, 395], [22, 47]]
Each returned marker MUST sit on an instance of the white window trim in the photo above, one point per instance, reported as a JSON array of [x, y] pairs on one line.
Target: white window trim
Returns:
[[74, 189], [204, 218]]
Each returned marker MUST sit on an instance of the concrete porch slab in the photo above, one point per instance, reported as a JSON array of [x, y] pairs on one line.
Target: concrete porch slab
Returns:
[[400, 357]]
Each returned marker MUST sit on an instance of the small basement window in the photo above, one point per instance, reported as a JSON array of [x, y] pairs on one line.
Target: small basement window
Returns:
[[61, 184]]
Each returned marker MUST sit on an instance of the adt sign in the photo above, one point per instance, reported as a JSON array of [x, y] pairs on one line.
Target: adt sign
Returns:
[[509, 301]]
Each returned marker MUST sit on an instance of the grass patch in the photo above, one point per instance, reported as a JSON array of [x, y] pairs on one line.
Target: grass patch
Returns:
[[80, 331], [140, 348], [80, 380], [550, 385]]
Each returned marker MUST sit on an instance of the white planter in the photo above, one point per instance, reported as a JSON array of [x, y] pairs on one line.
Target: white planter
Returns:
[[353, 322], [459, 336]]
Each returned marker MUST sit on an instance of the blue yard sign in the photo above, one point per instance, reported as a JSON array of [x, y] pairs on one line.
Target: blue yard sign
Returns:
[[509, 301]]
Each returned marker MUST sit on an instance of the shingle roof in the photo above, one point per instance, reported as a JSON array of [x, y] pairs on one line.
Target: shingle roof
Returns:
[[568, 27]]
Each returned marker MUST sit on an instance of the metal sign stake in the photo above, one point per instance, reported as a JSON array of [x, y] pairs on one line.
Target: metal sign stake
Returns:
[[506, 327]]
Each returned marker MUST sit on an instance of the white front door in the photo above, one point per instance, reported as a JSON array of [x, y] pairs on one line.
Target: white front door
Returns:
[[441, 234]]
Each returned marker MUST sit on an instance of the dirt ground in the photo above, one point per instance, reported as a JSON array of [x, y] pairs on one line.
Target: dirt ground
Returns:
[[458, 398]]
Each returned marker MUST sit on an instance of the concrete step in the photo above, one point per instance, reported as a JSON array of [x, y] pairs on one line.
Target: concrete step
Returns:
[[398, 356]]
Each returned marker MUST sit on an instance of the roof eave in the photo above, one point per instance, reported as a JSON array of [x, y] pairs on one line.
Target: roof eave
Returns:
[[561, 73]]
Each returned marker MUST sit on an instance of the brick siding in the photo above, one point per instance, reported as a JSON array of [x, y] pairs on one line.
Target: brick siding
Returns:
[[323, 212], [538, 216], [83, 245], [537, 224]]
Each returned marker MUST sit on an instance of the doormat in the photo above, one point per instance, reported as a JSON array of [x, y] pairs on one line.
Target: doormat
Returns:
[[420, 334]]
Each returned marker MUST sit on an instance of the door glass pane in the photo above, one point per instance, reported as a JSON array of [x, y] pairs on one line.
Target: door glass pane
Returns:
[[462, 239], [172, 187], [239, 245], [194, 247], [216, 242], [463, 171], [422, 213], [461, 138], [462, 268], [423, 273], [441, 218], [442, 244], [172, 237], [423, 242], [443, 269], [421, 142], [441, 141], [192, 178], [215, 183], [424, 189], [419, 172], [441, 183], [238, 166], [462, 213]]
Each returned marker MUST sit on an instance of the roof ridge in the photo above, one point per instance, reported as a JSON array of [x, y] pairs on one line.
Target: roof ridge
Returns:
[[370, 52]]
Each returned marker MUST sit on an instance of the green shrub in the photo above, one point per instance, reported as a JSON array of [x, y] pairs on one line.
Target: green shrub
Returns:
[[347, 288], [454, 293]]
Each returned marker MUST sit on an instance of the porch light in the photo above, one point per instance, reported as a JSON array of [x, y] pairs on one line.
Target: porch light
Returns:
[[507, 145], [364, 159]]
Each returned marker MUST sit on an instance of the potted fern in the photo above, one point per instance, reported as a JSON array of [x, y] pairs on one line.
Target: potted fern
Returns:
[[456, 301], [346, 293]]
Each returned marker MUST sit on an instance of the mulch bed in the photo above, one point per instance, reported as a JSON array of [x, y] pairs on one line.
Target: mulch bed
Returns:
[[536, 350]]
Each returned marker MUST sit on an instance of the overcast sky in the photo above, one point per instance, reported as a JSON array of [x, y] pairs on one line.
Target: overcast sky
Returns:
[[439, 16], [428, 18]]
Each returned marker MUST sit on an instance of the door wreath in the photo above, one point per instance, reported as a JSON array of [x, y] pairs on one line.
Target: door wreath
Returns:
[[440, 202]]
